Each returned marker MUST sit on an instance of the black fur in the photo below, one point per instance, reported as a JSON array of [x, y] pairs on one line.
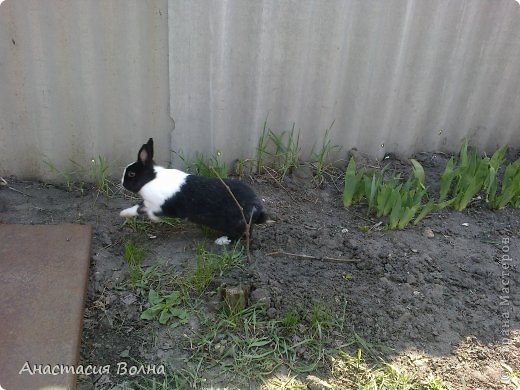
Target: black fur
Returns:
[[199, 199], [207, 201]]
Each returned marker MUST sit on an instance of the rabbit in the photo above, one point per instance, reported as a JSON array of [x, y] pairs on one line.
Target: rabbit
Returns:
[[203, 200]]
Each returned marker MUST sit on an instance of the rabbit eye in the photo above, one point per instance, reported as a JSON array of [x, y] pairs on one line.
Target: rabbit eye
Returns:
[[131, 174]]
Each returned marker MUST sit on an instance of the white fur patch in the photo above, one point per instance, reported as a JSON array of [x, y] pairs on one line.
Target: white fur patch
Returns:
[[130, 212], [166, 184], [223, 241]]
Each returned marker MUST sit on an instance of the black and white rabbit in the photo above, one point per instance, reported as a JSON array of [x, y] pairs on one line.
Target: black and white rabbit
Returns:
[[203, 200]]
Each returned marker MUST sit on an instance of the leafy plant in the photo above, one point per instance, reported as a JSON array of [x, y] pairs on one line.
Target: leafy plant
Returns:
[[353, 188], [466, 177], [389, 197], [510, 188], [167, 308]]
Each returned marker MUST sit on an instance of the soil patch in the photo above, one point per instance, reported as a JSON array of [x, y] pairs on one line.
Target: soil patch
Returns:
[[438, 302]]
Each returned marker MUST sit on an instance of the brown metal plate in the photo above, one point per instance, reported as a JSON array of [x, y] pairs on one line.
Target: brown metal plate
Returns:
[[43, 279]]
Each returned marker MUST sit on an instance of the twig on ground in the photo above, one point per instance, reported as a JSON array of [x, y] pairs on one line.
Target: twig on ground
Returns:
[[248, 224], [323, 258], [4, 182], [267, 169]]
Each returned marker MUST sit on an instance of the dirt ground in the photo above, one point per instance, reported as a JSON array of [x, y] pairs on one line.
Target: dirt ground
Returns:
[[438, 303]]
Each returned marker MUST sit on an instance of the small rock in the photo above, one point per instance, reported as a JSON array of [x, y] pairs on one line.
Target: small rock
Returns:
[[272, 312], [465, 224], [129, 299], [362, 160], [303, 172], [261, 295], [125, 353], [428, 233], [315, 383]]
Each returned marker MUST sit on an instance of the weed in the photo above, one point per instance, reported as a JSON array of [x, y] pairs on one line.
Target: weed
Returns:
[[101, 176], [134, 255], [208, 264], [243, 166], [285, 156], [166, 307], [321, 160], [364, 228], [73, 179], [347, 276], [291, 319], [146, 226], [208, 166], [320, 319], [261, 149], [367, 369]]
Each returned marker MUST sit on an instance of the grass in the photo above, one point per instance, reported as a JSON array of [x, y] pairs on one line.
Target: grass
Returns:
[[148, 227], [73, 178], [247, 347], [100, 174], [320, 160], [202, 165], [209, 264], [134, 255], [279, 151]]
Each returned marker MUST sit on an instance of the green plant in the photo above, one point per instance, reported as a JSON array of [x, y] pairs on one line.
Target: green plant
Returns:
[[321, 159], [73, 179], [353, 188], [510, 189], [465, 177], [101, 176], [469, 177], [320, 319], [207, 166], [261, 149], [208, 264], [133, 254], [389, 197], [290, 319], [167, 308], [285, 156]]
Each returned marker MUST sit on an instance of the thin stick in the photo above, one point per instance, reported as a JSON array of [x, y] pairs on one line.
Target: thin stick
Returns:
[[324, 258], [13, 189], [248, 225]]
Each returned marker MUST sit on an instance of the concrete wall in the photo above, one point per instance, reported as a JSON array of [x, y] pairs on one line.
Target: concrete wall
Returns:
[[79, 79]]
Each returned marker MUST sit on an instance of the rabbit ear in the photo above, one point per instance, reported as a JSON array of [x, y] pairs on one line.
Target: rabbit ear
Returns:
[[145, 154], [149, 144]]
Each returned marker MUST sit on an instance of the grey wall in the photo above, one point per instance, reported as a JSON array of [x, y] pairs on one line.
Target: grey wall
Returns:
[[409, 75], [79, 79]]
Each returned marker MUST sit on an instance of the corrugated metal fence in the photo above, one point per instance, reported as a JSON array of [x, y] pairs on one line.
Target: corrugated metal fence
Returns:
[[81, 79]]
